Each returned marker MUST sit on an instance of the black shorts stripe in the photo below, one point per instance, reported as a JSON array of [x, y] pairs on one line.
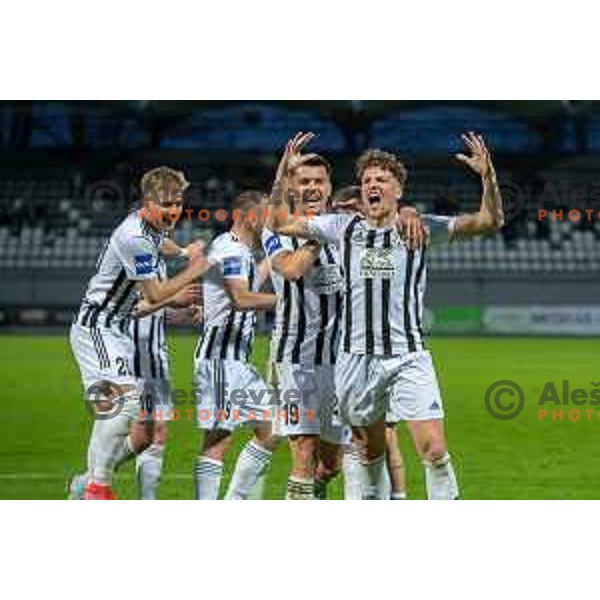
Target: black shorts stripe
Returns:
[[369, 328], [385, 304], [420, 269], [410, 338], [348, 283], [100, 348], [103, 347]]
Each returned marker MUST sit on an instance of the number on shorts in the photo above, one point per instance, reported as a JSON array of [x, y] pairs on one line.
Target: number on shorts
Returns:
[[122, 365], [292, 414]]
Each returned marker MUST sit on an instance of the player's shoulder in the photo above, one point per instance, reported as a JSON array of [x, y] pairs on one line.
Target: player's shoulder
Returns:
[[338, 220], [228, 243], [132, 228]]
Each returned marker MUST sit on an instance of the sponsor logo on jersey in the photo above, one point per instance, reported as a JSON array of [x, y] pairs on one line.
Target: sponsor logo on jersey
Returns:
[[143, 264], [326, 279], [377, 262], [232, 266], [272, 244]]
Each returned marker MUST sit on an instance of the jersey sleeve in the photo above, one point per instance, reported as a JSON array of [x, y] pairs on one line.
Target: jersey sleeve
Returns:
[[139, 257], [231, 261], [441, 228], [274, 244], [328, 229]]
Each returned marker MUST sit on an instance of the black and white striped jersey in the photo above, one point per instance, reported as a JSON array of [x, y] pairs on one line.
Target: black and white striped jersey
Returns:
[[228, 333], [309, 310], [130, 255], [384, 282], [150, 360]]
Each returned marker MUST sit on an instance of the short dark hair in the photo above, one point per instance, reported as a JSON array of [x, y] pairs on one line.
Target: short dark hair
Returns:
[[346, 193], [315, 160], [375, 157]]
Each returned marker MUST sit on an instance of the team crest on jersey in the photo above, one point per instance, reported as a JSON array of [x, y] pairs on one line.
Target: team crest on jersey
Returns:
[[326, 279], [377, 262]]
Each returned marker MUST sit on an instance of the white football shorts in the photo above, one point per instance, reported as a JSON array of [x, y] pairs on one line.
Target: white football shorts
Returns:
[[231, 393], [307, 401], [396, 388]]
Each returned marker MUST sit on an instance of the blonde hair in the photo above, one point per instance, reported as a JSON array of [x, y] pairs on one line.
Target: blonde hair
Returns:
[[156, 178]]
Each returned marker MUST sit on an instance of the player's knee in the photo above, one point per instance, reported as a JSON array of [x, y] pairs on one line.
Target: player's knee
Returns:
[[160, 433], [330, 459], [304, 449], [265, 438], [215, 445], [434, 449]]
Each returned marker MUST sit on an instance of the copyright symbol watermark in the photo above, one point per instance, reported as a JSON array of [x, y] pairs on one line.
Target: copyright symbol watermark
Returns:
[[104, 400], [104, 197], [513, 201], [504, 399]]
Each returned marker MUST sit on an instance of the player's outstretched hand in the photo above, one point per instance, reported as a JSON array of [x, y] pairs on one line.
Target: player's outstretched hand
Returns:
[[292, 154], [411, 227], [479, 158]]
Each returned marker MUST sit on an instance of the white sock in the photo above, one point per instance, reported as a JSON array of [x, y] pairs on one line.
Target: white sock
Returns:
[[208, 473], [373, 476], [122, 453], [148, 466], [440, 479], [251, 464], [92, 451], [384, 485], [107, 446], [352, 474], [300, 489]]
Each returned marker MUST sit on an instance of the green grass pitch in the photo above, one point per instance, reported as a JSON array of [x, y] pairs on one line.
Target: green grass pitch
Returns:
[[44, 426]]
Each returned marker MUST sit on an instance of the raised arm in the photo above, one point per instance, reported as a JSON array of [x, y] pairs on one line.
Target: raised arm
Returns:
[[279, 210], [490, 216]]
